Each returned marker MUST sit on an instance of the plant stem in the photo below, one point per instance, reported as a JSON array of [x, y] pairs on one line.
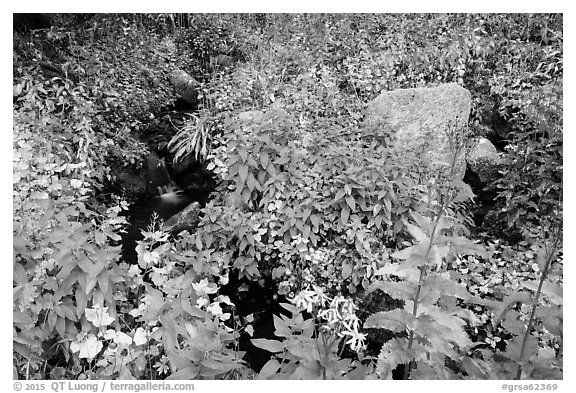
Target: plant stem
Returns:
[[534, 306], [419, 288]]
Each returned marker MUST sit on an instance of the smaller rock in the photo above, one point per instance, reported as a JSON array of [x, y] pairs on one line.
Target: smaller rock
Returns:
[[187, 219], [484, 160], [186, 87], [484, 163]]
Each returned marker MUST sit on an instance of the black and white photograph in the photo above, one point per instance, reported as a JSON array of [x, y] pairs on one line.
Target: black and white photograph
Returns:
[[234, 196]]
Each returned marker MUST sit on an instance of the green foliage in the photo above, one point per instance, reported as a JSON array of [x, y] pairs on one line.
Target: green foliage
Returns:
[[177, 309], [527, 91], [431, 323], [301, 212], [308, 212], [308, 350], [531, 185], [308, 197], [72, 297], [209, 35], [512, 64], [64, 261], [109, 87], [531, 315]]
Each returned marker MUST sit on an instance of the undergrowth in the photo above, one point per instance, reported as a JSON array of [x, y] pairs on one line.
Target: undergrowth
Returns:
[[373, 253]]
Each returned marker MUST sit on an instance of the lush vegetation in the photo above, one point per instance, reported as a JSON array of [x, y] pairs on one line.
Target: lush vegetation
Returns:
[[377, 266]]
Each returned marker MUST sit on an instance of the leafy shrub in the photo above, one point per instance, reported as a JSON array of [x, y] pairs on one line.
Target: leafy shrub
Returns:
[[311, 349], [208, 36], [182, 322], [307, 198], [71, 294], [529, 317], [294, 193], [64, 262]]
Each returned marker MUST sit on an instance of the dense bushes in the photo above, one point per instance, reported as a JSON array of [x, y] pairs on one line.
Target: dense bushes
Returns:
[[308, 199]]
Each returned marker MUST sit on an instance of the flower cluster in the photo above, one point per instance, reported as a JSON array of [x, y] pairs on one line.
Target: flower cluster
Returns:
[[338, 314], [341, 317], [310, 299]]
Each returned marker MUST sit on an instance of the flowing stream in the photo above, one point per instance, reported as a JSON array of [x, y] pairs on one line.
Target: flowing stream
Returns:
[[164, 200]]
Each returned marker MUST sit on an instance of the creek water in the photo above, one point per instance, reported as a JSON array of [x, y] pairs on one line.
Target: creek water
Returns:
[[140, 213], [165, 200]]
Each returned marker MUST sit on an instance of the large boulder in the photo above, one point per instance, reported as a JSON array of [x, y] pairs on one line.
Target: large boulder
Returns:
[[185, 86], [424, 123]]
